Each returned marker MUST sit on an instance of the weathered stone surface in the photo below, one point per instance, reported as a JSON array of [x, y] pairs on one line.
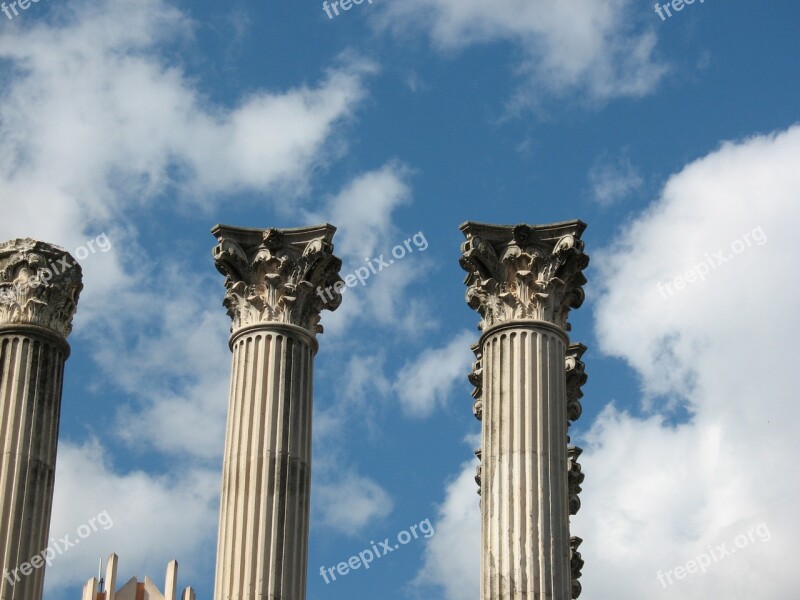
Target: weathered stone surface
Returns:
[[275, 275], [39, 288], [271, 280]]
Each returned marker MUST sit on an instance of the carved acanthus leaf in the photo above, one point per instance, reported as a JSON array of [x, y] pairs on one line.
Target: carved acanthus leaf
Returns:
[[39, 285], [524, 272], [278, 275]]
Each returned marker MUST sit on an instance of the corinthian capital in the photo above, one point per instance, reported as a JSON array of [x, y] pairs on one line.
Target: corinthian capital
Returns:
[[278, 275], [524, 272], [39, 285]]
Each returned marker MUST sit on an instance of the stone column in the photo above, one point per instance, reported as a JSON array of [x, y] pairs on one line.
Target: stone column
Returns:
[[277, 281], [39, 288], [523, 280]]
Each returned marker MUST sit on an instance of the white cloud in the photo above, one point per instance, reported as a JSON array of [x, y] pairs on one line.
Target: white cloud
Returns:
[[94, 122], [154, 519], [342, 499], [427, 382], [357, 396], [166, 349], [452, 555], [613, 179], [364, 212], [587, 45], [351, 503], [657, 494]]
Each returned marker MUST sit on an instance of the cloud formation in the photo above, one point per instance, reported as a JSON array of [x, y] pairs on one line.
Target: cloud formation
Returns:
[[95, 122], [660, 489], [613, 179], [435, 372], [452, 557], [582, 45]]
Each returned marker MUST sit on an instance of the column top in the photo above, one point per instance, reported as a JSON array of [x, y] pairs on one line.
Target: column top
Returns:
[[524, 272], [39, 285], [278, 275]]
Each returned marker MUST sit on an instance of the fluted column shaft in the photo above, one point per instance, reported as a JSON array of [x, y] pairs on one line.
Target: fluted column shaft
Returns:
[[277, 281], [37, 302], [263, 532], [525, 518], [31, 374]]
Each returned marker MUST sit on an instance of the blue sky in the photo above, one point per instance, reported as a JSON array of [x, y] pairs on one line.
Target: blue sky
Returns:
[[673, 139]]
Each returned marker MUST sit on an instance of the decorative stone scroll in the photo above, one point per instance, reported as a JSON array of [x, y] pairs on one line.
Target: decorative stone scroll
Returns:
[[39, 285], [524, 272], [576, 377], [479, 469], [278, 275], [575, 479], [575, 565], [476, 379]]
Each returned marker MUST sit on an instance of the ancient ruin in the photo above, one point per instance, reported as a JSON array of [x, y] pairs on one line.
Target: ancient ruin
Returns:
[[523, 280]]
